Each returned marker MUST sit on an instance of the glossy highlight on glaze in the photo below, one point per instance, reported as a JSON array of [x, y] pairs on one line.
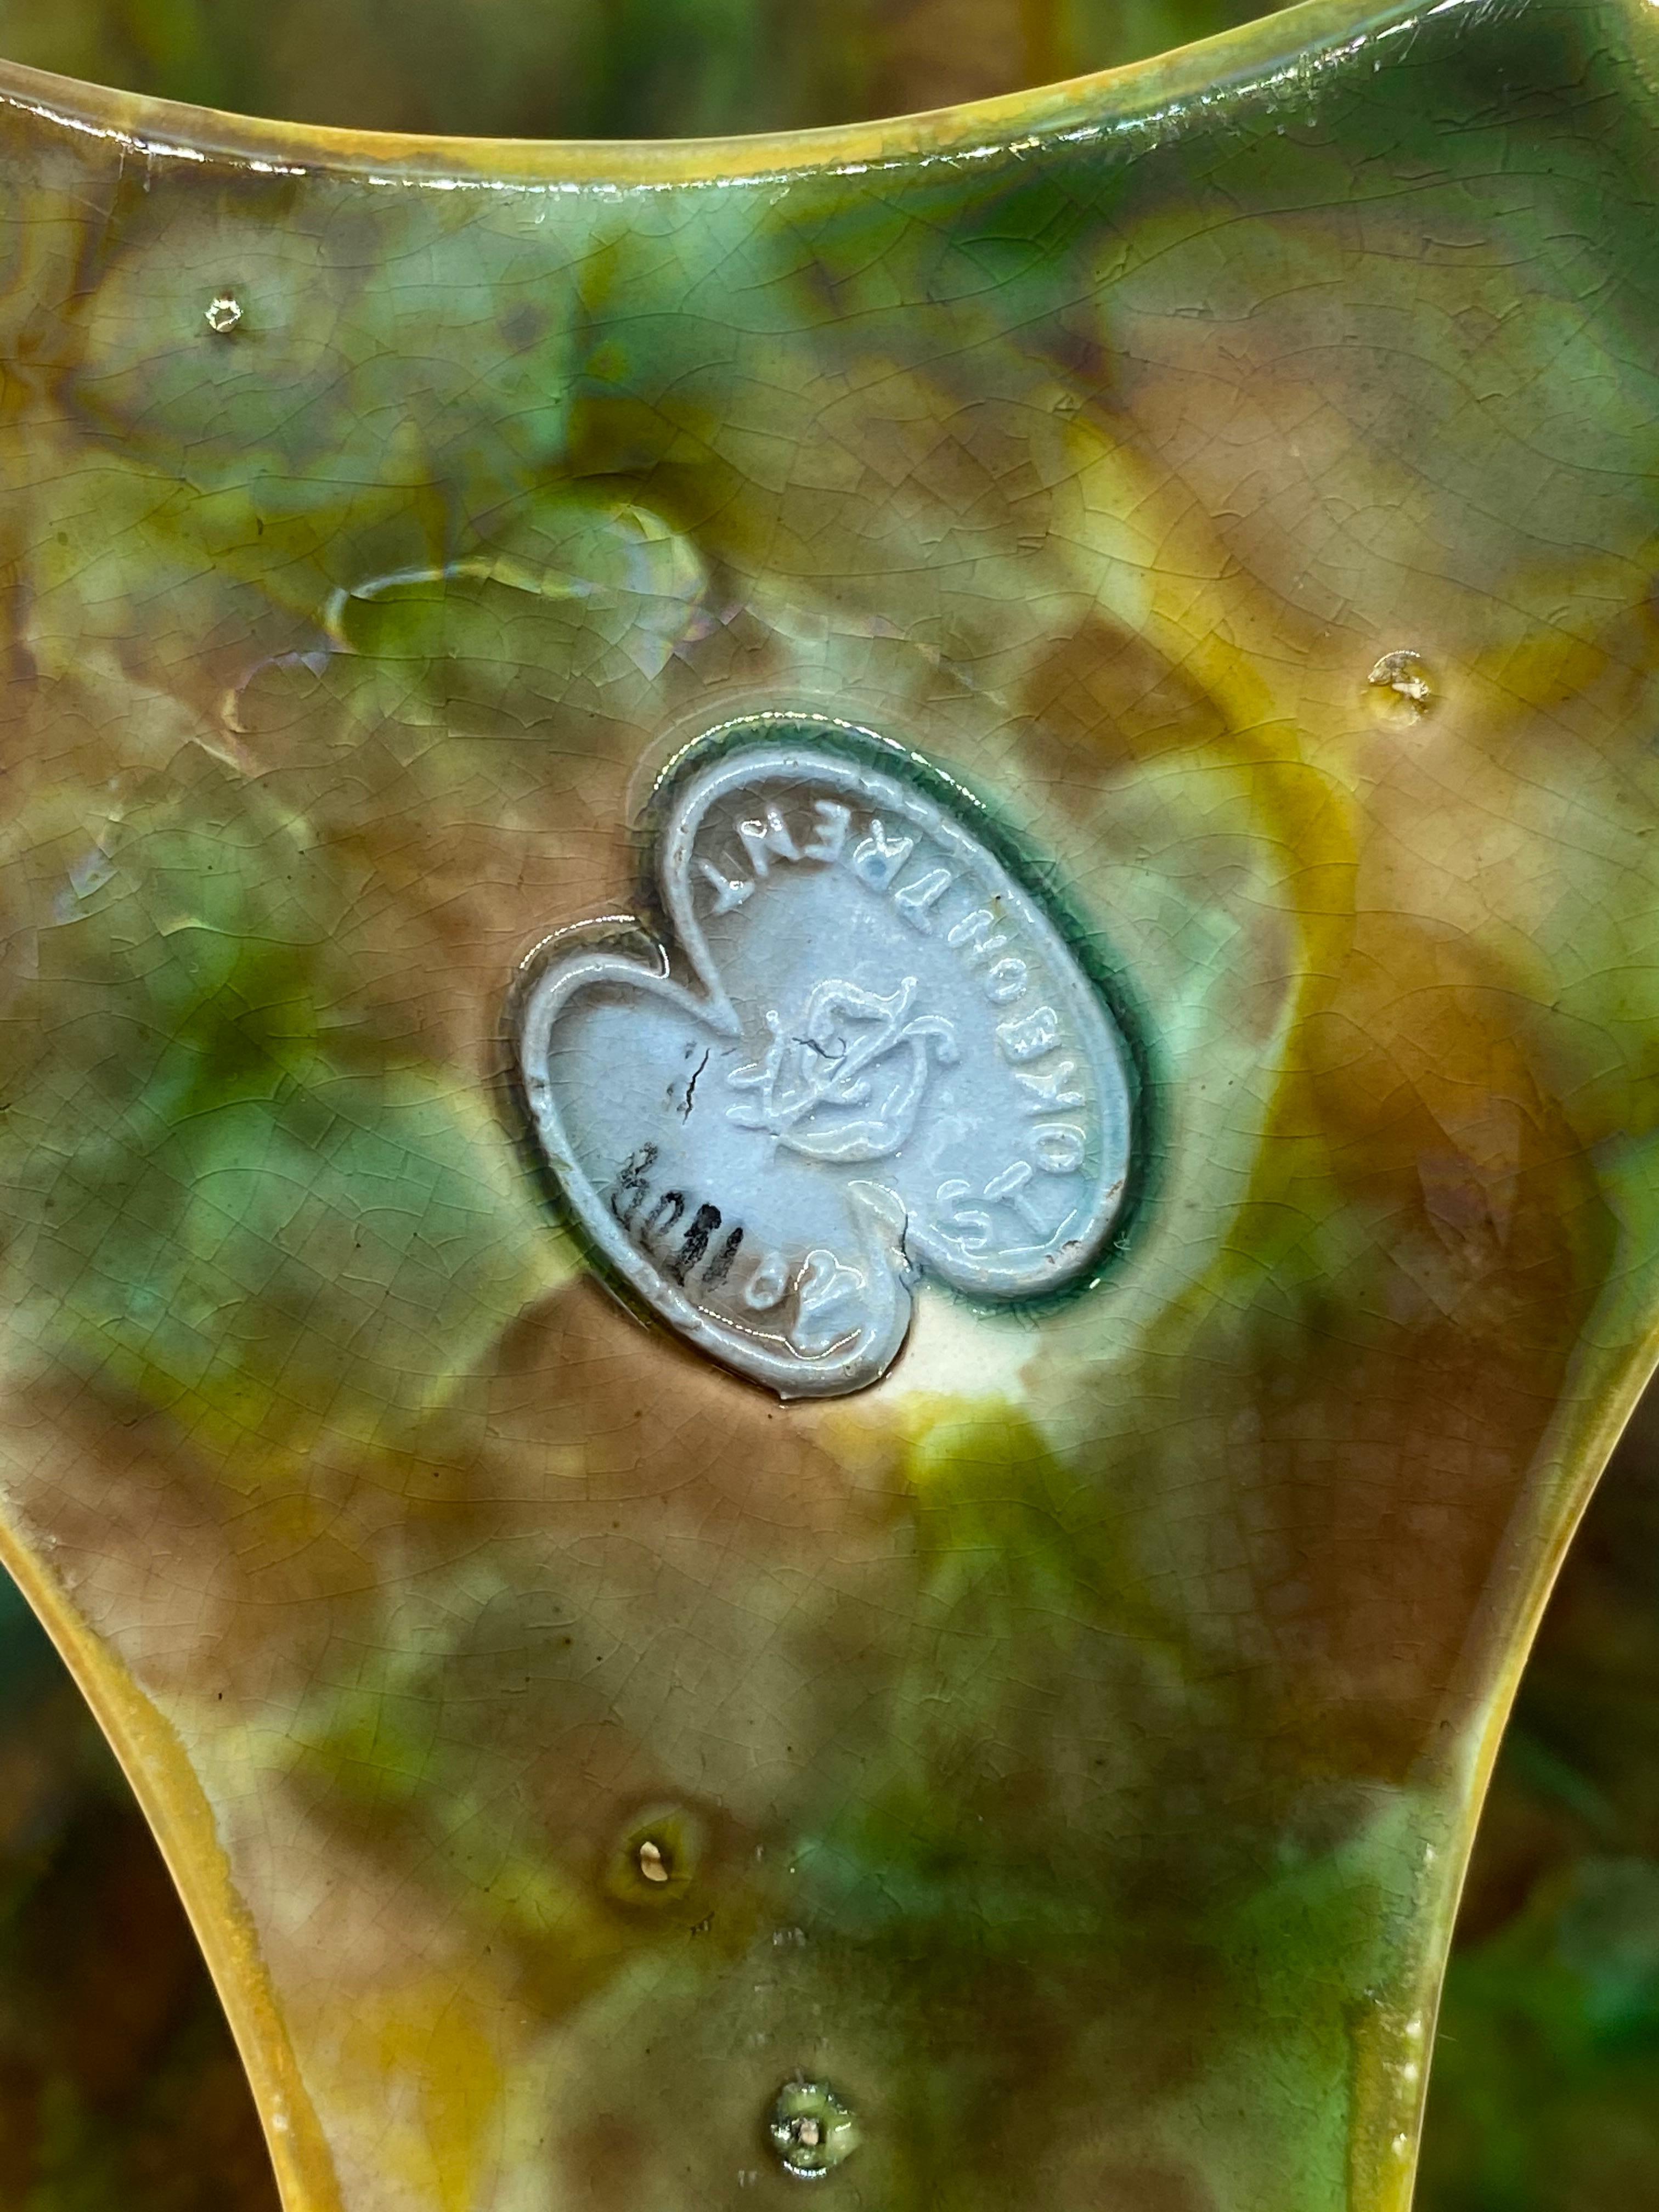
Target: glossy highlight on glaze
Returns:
[[1065, 1751]]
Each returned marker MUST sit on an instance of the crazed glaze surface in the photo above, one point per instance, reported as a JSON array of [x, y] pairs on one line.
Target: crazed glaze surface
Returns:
[[1061, 1757]]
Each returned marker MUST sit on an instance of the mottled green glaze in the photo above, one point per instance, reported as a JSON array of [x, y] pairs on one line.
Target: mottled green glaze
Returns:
[[1070, 1746]]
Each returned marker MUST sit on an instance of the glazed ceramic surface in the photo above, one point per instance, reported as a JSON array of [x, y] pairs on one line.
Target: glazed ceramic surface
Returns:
[[1218, 497]]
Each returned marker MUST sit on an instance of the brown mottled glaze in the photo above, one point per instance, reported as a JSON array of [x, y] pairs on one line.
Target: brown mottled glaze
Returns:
[[1071, 1744]]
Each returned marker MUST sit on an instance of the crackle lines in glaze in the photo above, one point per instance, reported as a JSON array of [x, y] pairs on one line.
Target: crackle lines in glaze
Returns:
[[1063, 1754]]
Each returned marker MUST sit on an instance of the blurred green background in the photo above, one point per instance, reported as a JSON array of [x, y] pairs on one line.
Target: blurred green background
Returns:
[[119, 2085], [552, 69]]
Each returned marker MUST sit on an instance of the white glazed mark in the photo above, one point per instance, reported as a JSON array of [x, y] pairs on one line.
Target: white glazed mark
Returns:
[[884, 1065]]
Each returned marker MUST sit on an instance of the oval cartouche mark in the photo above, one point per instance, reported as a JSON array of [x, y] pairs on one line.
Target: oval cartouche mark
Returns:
[[868, 1058]]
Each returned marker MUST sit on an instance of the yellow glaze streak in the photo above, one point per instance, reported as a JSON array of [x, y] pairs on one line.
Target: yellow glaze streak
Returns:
[[1237, 473]]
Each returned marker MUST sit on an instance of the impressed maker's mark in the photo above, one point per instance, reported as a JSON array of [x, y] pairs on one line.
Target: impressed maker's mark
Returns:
[[869, 1058]]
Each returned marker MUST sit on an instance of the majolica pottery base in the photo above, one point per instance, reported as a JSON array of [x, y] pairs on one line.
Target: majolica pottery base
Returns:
[[1043, 1775]]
